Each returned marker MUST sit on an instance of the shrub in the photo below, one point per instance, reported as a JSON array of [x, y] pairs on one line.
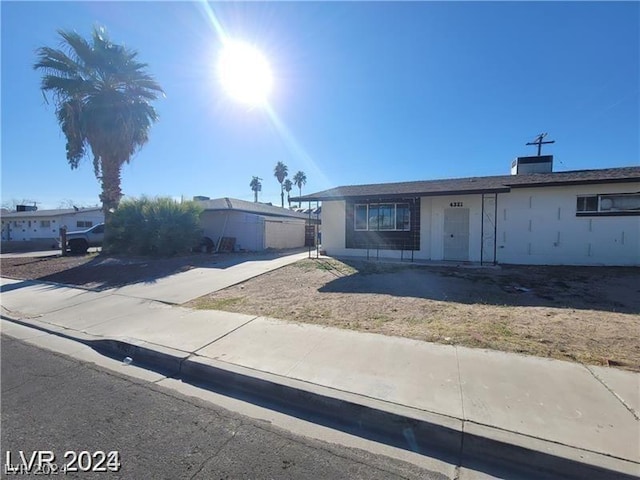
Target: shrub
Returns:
[[153, 226]]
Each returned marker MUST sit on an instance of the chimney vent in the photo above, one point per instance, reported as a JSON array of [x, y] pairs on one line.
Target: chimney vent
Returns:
[[537, 164], [26, 208]]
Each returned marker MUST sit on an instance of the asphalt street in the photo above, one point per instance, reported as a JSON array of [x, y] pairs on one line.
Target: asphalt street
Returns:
[[58, 404]]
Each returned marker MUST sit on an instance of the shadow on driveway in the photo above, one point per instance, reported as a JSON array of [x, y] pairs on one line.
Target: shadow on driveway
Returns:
[[104, 272]]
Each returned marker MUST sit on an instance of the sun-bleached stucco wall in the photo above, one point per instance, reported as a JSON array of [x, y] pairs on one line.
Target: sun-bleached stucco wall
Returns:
[[536, 226], [539, 226]]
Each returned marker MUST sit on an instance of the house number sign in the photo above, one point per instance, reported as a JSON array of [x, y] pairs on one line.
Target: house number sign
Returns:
[[456, 204]]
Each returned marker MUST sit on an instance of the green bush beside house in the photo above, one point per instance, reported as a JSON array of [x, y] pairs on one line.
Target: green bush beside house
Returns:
[[153, 226]]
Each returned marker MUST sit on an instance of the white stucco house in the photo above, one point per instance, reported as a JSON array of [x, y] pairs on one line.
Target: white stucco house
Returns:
[[533, 216], [252, 226], [40, 228]]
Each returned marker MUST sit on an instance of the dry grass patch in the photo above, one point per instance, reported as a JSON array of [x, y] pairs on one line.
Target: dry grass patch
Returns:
[[582, 314]]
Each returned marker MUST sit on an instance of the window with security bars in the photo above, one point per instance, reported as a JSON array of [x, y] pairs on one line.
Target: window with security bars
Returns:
[[382, 217]]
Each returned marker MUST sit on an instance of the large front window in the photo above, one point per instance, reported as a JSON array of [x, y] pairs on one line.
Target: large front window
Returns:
[[382, 216]]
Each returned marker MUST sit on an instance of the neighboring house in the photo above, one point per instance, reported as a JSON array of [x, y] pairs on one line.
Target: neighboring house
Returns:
[[534, 216], [40, 228], [252, 226]]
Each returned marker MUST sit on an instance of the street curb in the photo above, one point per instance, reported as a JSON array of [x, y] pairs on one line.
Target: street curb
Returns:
[[449, 439], [396, 425]]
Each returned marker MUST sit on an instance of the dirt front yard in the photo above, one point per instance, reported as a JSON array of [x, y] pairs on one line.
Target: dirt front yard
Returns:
[[584, 314]]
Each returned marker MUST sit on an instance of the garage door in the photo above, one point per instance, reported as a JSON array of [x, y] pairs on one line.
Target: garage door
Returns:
[[283, 234]]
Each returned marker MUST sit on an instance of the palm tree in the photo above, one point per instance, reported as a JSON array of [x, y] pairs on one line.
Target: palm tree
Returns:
[[256, 186], [288, 185], [300, 179], [280, 172], [102, 95]]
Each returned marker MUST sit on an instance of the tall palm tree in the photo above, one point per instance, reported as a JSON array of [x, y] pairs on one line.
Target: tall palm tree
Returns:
[[102, 95], [256, 186], [300, 179], [288, 185], [280, 172]]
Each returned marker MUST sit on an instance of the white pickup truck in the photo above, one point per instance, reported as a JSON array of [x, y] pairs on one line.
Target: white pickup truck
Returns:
[[80, 241]]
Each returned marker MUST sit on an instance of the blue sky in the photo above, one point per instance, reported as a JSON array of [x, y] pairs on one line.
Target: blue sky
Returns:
[[363, 93]]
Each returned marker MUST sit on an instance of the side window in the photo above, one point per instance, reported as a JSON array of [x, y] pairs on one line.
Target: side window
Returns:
[[587, 204], [619, 203], [612, 204], [99, 229]]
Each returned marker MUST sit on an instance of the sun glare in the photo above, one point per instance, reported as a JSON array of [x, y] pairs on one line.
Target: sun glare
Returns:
[[244, 73]]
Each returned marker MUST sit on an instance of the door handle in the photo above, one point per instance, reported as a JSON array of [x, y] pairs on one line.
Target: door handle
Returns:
[[452, 235]]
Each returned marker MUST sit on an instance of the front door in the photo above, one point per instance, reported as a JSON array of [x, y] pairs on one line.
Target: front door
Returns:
[[456, 234]]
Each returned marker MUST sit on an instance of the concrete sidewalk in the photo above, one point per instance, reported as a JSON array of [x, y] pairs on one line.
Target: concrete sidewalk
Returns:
[[489, 404]]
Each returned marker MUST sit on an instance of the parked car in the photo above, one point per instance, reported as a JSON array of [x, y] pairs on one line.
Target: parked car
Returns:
[[80, 241]]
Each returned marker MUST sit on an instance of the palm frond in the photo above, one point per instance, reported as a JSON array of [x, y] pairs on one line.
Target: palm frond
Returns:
[[66, 87], [56, 62], [69, 117], [78, 49]]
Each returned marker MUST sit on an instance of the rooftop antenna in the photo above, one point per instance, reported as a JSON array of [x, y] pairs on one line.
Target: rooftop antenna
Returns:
[[538, 141]]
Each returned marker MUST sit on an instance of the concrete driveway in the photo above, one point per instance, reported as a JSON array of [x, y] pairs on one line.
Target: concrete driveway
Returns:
[[182, 287], [41, 253]]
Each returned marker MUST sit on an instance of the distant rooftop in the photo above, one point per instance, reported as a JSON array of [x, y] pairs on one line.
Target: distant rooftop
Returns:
[[227, 204], [50, 213], [477, 185]]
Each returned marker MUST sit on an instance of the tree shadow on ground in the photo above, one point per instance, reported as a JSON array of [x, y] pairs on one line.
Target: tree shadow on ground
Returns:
[[104, 271], [613, 289]]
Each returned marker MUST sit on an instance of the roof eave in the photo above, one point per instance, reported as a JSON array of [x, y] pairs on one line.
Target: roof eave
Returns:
[[47, 213], [253, 212], [591, 181], [319, 198]]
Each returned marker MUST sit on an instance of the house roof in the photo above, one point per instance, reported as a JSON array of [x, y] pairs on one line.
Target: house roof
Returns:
[[50, 213], [227, 204], [477, 185]]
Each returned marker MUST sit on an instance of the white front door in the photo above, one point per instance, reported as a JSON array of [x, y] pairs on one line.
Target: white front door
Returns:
[[456, 234]]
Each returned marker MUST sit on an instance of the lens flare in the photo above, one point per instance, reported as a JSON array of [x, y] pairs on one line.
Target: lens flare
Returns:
[[244, 73]]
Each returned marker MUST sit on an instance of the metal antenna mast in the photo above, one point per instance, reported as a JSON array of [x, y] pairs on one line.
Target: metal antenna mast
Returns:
[[538, 141]]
